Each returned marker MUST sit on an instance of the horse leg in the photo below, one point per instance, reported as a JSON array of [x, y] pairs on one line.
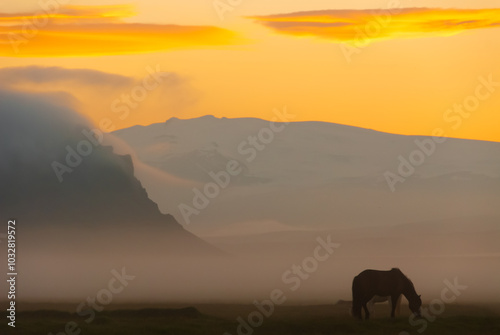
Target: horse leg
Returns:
[[394, 304], [371, 306], [398, 305], [367, 313], [356, 310]]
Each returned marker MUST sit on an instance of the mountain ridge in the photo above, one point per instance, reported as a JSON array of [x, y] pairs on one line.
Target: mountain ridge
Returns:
[[320, 167]]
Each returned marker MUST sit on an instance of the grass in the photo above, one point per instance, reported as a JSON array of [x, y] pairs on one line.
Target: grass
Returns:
[[221, 319]]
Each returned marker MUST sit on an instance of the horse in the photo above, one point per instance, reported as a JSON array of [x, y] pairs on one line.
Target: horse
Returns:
[[391, 283]]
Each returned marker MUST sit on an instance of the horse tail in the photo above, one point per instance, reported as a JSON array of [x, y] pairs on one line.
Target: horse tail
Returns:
[[356, 299]]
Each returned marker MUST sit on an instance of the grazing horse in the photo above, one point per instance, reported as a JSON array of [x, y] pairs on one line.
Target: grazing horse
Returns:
[[391, 283]]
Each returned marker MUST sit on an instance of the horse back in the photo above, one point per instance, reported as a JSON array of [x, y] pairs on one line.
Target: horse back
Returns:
[[382, 283]]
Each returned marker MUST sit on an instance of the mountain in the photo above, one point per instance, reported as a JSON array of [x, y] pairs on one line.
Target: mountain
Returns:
[[311, 175], [68, 190]]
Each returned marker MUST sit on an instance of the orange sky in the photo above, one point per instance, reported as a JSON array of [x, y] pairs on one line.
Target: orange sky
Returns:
[[356, 62]]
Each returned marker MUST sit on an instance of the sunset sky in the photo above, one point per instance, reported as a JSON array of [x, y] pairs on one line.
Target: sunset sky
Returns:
[[405, 67]]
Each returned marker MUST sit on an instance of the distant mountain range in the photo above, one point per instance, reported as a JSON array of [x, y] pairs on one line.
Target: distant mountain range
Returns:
[[310, 175]]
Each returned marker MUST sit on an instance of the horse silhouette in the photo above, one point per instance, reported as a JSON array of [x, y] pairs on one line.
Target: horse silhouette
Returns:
[[393, 283]]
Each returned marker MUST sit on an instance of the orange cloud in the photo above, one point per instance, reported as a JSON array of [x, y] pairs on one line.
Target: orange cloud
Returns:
[[98, 30], [370, 25]]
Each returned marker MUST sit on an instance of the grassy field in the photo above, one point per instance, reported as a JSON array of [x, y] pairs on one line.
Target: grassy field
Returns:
[[221, 319]]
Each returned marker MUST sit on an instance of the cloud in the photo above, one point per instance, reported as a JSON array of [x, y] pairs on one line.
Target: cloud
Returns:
[[31, 124], [54, 74], [101, 95], [371, 25], [98, 30], [70, 14]]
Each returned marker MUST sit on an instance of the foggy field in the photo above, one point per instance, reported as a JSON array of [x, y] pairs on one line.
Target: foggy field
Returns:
[[222, 319]]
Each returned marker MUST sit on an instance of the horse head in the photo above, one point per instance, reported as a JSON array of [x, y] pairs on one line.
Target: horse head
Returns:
[[415, 303]]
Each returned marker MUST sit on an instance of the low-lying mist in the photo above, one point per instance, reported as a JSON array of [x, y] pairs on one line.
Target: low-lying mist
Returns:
[[317, 271]]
